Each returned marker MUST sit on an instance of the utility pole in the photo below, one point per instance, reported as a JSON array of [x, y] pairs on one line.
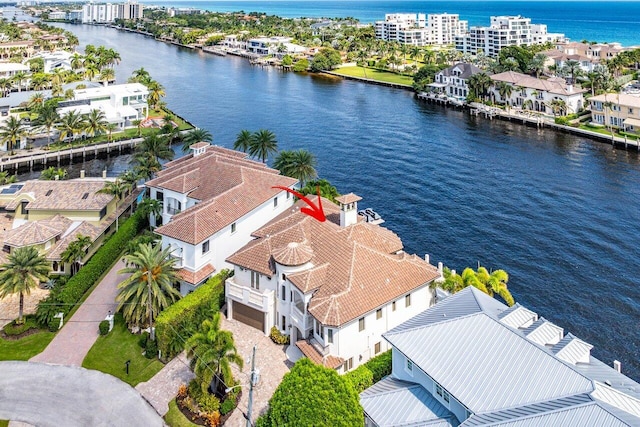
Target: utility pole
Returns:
[[252, 381]]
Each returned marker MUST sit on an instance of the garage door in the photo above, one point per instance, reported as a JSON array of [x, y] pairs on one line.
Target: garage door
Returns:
[[249, 316]]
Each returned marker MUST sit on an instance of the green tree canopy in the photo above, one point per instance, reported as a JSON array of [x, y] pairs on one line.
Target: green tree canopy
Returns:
[[312, 395]]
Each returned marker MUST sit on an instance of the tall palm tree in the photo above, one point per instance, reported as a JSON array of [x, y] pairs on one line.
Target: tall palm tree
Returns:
[[263, 143], [212, 352], [107, 75], [70, 124], [5, 86], [52, 173], [243, 141], [75, 251], [298, 164], [154, 146], [415, 54], [283, 162], [24, 270], [146, 166], [558, 107], [110, 127], [18, 78], [47, 119], [362, 57], [479, 84], [130, 180], [194, 136], [141, 76], [96, 122], [572, 68], [149, 289], [505, 90], [536, 65], [11, 132], [36, 101], [76, 61], [150, 208], [156, 92]]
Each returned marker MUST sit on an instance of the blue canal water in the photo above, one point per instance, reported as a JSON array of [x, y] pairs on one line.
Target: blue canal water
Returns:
[[602, 21], [558, 212]]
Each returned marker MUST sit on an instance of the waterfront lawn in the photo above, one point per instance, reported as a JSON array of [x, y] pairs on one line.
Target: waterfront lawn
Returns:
[[373, 74], [25, 348], [182, 125], [175, 417], [110, 353]]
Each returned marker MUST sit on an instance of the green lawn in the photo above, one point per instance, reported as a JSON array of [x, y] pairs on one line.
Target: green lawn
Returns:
[[175, 418], [4, 423], [382, 76], [110, 353], [25, 348]]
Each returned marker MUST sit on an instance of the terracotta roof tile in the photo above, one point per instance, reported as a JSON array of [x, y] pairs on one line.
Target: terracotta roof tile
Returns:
[[293, 254], [328, 361], [348, 198], [552, 85], [75, 194], [196, 277], [355, 269]]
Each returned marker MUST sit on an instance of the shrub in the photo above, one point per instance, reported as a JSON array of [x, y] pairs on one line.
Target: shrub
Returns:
[[360, 378], [100, 262], [103, 327], [227, 406], [380, 366], [312, 395], [182, 391], [277, 337], [208, 403], [46, 309], [151, 350], [213, 419], [195, 390], [142, 341], [561, 120], [181, 320], [14, 328]]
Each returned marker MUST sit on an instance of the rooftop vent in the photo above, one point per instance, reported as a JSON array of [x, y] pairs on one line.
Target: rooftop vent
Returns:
[[85, 195]]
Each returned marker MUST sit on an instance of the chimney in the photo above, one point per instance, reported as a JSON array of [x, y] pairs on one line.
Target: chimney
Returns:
[[426, 258], [440, 268], [82, 173], [104, 174], [570, 88], [199, 148], [617, 366], [348, 209]]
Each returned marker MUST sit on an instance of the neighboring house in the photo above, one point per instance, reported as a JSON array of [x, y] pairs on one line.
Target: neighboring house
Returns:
[[56, 60], [24, 48], [121, 104], [10, 69], [618, 110], [537, 94], [233, 41], [472, 361], [502, 32], [558, 59], [58, 14], [212, 201], [588, 55], [334, 287], [266, 45], [52, 214], [452, 81]]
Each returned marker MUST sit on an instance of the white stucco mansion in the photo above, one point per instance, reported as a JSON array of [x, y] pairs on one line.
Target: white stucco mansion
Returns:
[[211, 202], [335, 286]]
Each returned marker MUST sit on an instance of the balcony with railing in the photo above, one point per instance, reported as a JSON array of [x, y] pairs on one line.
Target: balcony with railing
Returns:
[[260, 299], [178, 261], [172, 210]]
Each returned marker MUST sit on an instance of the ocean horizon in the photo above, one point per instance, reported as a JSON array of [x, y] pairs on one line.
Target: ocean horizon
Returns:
[[601, 21]]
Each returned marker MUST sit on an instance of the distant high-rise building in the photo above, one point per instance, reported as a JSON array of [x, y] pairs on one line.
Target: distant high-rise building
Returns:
[[104, 13], [420, 29]]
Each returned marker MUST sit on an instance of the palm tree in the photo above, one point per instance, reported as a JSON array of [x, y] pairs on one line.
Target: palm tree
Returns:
[[25, 269], [18, 78], [141, 76], [5, 86], [36, 101], [53, 173], [130, 179], [194, 136], [495, 283], [150, 208], [47, 119], [414, 54], [11, 132], [572, 68], [156, 92], [298, 164], [243, 141], [76, 61], [76, 250], [96, 122], [149, 289], [70, 123], [6, 179], [479, 84], [362, 57], [536, 65], [212, 351], [263, 142], [138, 124], [154, 146], [107, 75], [558, 107], [110, 127], [146, 166], [114, 188], [505, 90]]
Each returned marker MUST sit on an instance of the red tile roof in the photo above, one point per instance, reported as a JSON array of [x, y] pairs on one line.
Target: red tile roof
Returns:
[[354, 269], [328, 361], [196, 277]]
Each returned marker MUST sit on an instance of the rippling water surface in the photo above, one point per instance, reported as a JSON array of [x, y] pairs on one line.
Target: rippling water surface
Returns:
[[559, 213]]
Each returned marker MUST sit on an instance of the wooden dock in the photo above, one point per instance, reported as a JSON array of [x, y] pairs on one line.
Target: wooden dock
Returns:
[[42, 159]]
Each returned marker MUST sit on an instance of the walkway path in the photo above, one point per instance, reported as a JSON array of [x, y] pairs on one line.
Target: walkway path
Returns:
[[73, 341], [163, 387], [47, 395]]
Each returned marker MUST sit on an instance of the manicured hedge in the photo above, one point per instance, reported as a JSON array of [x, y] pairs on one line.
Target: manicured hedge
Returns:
[[371, 372], [178, 322], [100, 262]]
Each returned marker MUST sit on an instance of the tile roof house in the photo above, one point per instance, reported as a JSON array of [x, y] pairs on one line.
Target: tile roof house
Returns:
[[51, 214], [334, 287], [619, 110], [452, 81], [537, 94], [212, 201], [472, 361]]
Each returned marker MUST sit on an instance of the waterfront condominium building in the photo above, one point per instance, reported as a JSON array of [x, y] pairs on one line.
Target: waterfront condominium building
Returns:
[[102, 13], [420, 29], [504, 31]]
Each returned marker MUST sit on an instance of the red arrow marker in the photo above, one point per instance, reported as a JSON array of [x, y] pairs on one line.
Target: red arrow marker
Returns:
[[313, 211]]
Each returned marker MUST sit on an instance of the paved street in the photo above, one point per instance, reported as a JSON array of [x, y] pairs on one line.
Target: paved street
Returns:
[[49, 395], [73, 342]]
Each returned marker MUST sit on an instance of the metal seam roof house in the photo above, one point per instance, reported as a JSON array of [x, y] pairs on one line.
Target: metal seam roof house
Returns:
[[494, 365]]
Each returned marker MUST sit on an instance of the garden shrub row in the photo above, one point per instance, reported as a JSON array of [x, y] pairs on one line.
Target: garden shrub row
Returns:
[[69, 295], [178, 322], [371, 372]]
